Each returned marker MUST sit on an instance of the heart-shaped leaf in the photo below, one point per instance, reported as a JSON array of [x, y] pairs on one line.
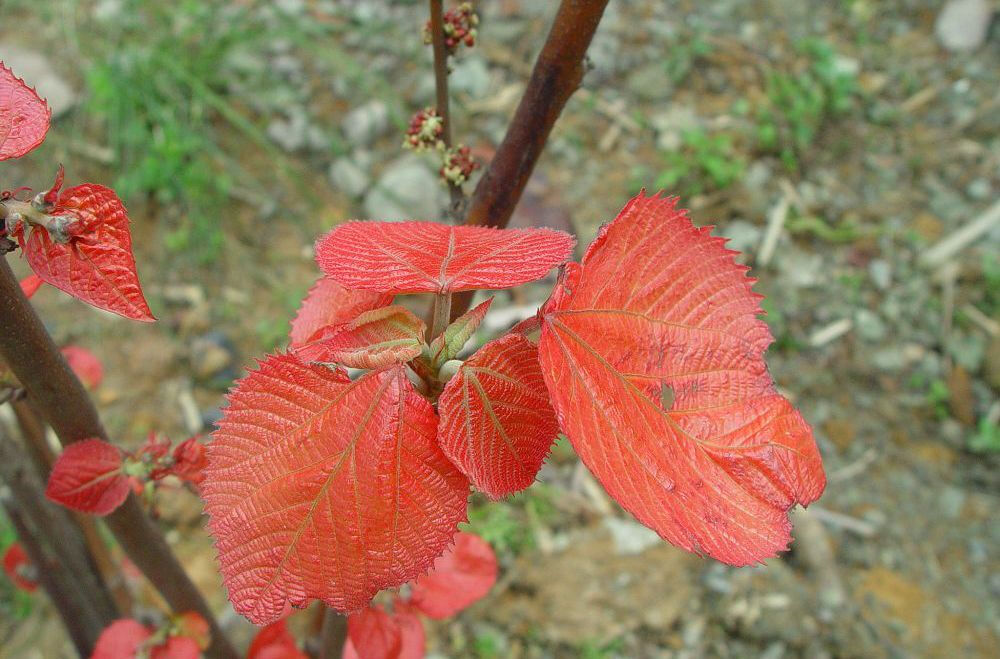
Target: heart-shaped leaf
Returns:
[[328, 303], [428, 257], [96, 265], [496, 421], [24, 117], [459, 578], [88, 476], [653, 355], [319, 487], [389, 335]]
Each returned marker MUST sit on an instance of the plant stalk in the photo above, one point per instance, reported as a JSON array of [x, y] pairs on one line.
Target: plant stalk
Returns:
[[441, 314], [333, 635], [441, 94], [35, 360], [558, 73]]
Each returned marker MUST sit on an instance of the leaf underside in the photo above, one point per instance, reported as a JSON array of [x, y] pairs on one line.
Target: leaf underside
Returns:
[[428, 257], [24, 117], [390, 335], [97, 265], [496, 421], [328, 303], [660, 313], [87, 476], [319, 487]]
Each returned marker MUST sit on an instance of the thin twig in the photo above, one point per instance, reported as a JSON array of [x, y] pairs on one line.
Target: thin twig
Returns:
[[441, 93], [35, 360], [557, 74], [333, 636]]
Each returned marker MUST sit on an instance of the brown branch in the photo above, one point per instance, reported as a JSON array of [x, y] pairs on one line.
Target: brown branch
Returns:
[[333, 635], [37, 363], [441, 93], [558, 73], [57, 549]]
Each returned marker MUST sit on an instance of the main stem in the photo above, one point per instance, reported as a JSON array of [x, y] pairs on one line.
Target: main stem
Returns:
[[558, 73], [32, 356], [441, 91], [333, 635]]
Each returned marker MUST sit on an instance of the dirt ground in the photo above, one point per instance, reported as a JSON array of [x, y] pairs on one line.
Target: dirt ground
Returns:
[[837, 144]]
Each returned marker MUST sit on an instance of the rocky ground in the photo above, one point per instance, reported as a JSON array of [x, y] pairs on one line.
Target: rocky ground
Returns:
[[850, 149]]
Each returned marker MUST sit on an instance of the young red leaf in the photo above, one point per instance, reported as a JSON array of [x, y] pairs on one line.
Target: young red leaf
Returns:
[[190, 460], [390, 335], [192, 625], [30, 285], [85, 364], [24, 117], [19, 568], [319, 487], [88, 477], [328, 303], [428, 257], [275, 642], [653, 355], [459, 578], [122, 639], [175, 647], [376, 633], [96, 264], [496, 421], [451, 341]]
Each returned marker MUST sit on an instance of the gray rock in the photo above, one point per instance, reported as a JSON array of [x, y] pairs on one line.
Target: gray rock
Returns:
[[36, 70], [962, 25], [407, 189], [800, 269], [743, 236], [347, 177], [470, 76], [365, 123], [869, 326], [649, 82], [881, 273], [889, 359], [630, 538], [672, 123]]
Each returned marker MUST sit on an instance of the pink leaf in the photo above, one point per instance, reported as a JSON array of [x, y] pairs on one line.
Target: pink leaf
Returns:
[[24, 117], [275, 642], [496, 421], [459, 578], [319, 487], [88, 477], [121, 640], [428, 257], [19, 568], [374, 634], [85, 365], [329, 303], [30, 285], [390, 335], [96, 265], [652, 353]]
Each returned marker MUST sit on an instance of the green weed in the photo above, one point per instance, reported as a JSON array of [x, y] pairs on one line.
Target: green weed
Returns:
[[987, 437], [703, 162]]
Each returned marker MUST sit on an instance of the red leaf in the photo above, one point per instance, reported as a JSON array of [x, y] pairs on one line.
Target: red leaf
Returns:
[[319, 487], [85, 364], [390, 335], [193, 625], [329, 303], [176, 647], [372, 635], [462, 576], [96, 265], [428, 257], [653, 356], [275, 642], [88, 477], [30, 285], [121, 640], [496, 421], [19, 568], [190, 460], [24, 117]]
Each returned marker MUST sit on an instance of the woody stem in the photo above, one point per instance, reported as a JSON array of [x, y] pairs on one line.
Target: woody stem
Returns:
[[441, 314]]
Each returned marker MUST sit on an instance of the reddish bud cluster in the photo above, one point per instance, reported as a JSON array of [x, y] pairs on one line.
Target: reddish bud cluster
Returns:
[[459, 28], [425, 131], [458, 165]]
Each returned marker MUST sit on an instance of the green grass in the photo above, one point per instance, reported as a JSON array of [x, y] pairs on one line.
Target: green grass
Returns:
[[986, 438], [799, 104], [703, 162], [14, 604]]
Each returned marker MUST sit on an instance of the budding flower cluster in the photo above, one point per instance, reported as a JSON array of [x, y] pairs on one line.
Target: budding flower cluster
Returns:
[[425, 131], [458, 165], [459, 28]]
